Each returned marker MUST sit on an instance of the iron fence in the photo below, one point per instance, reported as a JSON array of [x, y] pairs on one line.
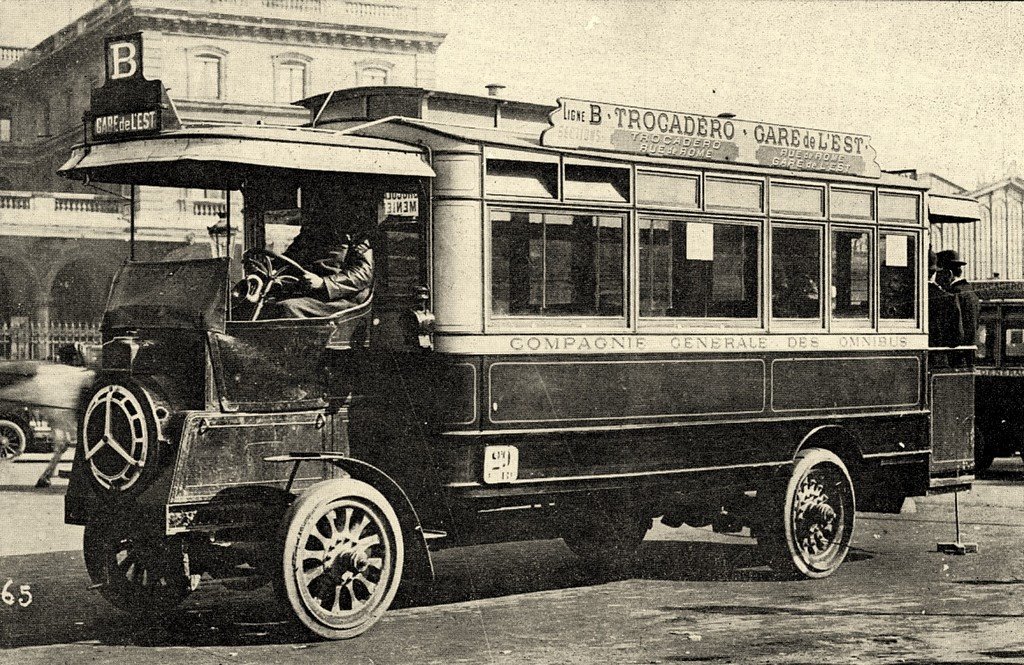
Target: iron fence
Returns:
[[30, 341]]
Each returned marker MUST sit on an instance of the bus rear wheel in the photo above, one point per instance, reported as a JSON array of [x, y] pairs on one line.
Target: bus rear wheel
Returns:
[[342, 554], [809, 517]]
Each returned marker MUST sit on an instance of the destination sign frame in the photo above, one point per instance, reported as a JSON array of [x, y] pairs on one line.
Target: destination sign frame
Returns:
[[585, 124], [128, 105]]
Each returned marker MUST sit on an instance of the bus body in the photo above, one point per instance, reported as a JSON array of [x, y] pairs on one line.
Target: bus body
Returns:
[[999, 381], [572, 332]]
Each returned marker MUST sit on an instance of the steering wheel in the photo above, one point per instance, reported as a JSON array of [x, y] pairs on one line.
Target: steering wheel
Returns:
[[266, 270]]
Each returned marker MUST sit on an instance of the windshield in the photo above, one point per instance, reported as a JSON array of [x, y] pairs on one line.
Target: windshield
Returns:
[[170, 294]]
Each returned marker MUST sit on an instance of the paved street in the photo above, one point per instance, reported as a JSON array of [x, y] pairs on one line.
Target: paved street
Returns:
[[692, 597]]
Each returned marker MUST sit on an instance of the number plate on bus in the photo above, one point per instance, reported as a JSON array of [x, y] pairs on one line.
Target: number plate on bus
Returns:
[[501, 464]]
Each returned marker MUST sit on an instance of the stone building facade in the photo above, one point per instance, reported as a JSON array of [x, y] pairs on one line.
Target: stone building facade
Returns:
[[994, 247], [223, 62]]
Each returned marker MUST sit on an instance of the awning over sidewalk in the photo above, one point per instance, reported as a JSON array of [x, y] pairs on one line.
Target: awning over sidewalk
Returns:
[[944, 209], [203, 156]]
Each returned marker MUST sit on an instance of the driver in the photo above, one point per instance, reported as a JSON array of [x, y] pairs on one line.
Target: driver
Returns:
[[337, 260]]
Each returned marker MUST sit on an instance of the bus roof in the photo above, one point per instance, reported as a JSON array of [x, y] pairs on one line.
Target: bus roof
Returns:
[[187, 156]]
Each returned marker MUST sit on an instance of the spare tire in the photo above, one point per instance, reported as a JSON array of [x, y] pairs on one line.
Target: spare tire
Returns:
[[121, 437]]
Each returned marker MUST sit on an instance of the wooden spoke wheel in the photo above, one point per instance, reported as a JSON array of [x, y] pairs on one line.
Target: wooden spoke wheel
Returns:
[[138, 574], [809, 519], [13, 439], [342, 554]]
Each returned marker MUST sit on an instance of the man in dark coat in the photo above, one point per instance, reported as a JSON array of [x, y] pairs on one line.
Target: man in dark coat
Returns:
[[944, 320], [950, 277], [338, 262]]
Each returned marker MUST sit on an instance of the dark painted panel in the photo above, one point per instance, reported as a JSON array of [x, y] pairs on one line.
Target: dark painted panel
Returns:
[[952, 422], [845, 383], [601, 391], [225, 453]]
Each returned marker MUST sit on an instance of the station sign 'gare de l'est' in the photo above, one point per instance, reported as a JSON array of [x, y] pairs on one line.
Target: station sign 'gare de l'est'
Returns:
[[582, 124]]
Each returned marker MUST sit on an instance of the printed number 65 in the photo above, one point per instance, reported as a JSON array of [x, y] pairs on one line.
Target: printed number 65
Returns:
[[24, 598]]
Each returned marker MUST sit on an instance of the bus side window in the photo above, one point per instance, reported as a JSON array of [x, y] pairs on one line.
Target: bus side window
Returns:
[[851, 275], [796, 273], [699, 269], [557, 264], [1013, 345], [898, 267]]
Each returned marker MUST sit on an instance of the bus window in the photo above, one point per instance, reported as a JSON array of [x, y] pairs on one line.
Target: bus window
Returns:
[[516, 178], [796, 273], [556, 264], [851, 275], [984, 352], [1013, 351], [698, 269], [898, 260], [669, 191]]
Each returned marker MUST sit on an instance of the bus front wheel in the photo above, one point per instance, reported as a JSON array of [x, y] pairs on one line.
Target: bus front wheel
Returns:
[[137, 574], [342, 554], [809, 517]]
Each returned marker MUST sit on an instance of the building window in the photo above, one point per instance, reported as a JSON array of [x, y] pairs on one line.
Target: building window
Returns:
[[291, 77], [373, 72], [698, 269], [43, 127], [206, 75], [6, 121], [557, 264]]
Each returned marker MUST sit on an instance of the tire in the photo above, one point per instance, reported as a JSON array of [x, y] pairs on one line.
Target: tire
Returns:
[[808, 518], [139, 575], [341, 557], [13, 438]]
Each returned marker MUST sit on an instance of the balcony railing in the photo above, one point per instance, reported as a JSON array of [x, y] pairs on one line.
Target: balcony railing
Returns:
[[11, 54], [208, 207]]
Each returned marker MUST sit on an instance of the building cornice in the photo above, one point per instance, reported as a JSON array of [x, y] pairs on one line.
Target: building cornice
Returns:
[[132, 15], [286, 31], [1012, 182]]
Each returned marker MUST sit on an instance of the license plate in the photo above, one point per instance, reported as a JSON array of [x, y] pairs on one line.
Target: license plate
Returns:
[[501, 464]]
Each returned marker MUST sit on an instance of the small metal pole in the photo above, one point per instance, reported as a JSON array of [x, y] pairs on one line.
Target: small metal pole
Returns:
[[131, 225], [956, 514], [957, 547], [227, 221]]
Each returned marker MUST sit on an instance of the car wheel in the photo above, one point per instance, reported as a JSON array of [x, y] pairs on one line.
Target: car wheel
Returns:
[[13, 439]]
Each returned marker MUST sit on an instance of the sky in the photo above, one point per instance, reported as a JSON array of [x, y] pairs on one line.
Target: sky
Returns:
[[938, 86]]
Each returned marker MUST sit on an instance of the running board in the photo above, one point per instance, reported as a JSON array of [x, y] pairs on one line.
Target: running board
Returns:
[[949, 484]]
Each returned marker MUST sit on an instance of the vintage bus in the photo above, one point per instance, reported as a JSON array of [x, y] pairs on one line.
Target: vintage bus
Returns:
[[999, 365], [583, 317]]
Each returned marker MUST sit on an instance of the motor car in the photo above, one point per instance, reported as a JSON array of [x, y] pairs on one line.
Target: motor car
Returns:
[[38, 401]]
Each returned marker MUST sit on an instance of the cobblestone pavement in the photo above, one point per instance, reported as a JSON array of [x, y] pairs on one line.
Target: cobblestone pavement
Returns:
[[692, 596]]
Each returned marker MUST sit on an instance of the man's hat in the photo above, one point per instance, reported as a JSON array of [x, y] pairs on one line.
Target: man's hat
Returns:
[[948, 258]]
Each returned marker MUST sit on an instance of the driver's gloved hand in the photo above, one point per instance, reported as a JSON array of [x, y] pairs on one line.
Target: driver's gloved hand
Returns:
[[311, 282]]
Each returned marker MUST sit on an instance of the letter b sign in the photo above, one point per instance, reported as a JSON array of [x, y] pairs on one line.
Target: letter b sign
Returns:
[[124, 57]]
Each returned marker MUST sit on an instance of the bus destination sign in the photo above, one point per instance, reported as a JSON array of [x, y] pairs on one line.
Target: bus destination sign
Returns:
[[128, 104], [127, 124], [578, 123]]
